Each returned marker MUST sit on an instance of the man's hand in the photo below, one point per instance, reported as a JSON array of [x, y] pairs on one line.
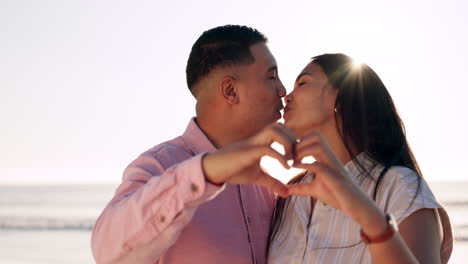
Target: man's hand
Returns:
[[240, 163]]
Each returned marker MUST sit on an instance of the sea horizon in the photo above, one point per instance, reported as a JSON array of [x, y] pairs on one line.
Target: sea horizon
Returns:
[[53, 222]]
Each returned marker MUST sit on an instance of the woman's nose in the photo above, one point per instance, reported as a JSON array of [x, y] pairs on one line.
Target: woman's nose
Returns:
[[288, 97]]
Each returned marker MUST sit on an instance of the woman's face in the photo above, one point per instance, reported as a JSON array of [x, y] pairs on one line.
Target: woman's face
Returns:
[[310, 106]]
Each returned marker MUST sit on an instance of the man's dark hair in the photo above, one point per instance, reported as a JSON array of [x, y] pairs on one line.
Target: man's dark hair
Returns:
[[220, 47]]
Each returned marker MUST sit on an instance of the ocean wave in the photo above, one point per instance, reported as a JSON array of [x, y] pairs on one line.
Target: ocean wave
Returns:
[[454, 203], [36, 223], [44, 223]]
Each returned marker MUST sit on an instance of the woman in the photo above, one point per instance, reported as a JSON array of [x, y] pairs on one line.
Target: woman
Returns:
[[343, 114]]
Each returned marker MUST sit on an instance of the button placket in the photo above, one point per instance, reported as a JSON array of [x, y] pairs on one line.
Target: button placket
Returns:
[[247, 219]]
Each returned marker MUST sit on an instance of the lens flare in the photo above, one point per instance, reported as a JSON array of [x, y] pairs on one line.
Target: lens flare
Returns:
[[357, 63]]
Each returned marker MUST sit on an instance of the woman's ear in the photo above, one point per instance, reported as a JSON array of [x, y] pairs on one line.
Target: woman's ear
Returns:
[[229, 90]]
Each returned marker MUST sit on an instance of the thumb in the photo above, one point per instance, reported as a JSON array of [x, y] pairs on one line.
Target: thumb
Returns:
[[273, 184]]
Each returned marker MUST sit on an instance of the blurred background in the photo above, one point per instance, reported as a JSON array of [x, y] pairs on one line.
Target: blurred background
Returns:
[[86, 86]]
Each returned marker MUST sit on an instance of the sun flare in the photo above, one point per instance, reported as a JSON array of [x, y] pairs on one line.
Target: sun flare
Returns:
[[357, 62]]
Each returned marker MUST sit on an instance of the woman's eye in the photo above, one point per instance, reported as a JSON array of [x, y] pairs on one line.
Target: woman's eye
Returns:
[[301, 83]]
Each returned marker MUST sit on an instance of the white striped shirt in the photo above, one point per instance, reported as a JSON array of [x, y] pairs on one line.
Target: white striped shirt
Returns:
[[333, 237]]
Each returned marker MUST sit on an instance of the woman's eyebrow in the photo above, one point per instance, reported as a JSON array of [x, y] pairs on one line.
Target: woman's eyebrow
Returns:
[[302, 74]]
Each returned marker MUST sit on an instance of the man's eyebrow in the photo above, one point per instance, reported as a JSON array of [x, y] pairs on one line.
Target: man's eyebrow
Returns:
[[302, 74], [272, 68]]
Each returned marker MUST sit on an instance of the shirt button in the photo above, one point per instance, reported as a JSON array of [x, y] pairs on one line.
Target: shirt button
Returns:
[[248, 219], [127, 247], [194, 187], [162, 218]]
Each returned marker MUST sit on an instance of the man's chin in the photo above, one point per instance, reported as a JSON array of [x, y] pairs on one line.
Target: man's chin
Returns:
[[290, 126], [278, 116]]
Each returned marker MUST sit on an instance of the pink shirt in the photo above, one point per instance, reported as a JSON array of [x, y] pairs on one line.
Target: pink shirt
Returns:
[[165, 212]]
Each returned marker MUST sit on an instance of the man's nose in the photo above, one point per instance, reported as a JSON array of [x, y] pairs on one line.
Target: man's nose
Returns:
[[281, 90]]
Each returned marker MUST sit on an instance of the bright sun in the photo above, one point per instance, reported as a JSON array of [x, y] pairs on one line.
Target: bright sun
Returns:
[[358, 60]]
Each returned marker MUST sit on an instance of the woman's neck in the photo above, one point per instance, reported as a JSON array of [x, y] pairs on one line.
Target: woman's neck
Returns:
[[334, 140]]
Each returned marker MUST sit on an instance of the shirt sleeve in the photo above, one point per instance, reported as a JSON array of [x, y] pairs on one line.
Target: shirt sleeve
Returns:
[[405, 193], [149, 210]]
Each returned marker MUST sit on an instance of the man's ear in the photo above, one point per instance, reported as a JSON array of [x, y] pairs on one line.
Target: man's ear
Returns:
[[229, 90]]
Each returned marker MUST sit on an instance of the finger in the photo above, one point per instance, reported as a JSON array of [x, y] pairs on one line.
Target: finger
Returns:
[[317, 149], [306, 189], [314, 168], [311, 137], [287, 131], [314, 149], [320, 170], [273, 184], [283, 136], [324, 171], [268, 151]]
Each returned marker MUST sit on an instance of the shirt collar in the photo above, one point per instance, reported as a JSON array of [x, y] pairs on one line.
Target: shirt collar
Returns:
[[196, 140], [367, 162]]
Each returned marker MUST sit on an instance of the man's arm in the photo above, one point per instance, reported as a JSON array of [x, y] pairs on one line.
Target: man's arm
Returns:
[[153, 205], [149, 210]]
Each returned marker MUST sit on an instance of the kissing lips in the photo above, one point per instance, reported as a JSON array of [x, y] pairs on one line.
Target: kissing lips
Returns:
[[286, 110], [280, 107]]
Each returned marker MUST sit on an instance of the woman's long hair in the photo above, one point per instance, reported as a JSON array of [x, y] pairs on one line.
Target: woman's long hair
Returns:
[[367, 121]]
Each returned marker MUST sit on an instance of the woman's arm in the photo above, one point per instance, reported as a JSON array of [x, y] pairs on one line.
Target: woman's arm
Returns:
[[418, 239], [421, 233]]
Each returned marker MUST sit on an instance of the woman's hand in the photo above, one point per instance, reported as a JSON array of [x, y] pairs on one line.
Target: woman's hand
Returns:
[[240, 163], [332, 186], [331, 183]]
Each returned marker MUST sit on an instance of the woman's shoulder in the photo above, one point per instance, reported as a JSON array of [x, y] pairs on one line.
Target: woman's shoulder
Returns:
[[402, 181], [401, 174], [402, 186]]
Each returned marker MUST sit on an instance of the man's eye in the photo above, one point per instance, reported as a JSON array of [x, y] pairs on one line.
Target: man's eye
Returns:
[[274, 76]]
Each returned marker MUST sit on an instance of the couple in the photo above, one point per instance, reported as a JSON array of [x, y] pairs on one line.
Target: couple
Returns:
[[203, 197]]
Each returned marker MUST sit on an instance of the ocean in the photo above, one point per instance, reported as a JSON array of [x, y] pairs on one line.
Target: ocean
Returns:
[[52, 224]]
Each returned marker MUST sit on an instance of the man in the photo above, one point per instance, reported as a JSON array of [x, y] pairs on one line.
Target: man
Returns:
[[173, 205]]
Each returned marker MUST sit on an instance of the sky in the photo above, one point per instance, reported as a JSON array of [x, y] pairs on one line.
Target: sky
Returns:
[[86, 86]]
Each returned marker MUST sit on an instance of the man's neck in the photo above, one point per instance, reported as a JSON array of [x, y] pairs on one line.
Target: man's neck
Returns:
[[219, 133]]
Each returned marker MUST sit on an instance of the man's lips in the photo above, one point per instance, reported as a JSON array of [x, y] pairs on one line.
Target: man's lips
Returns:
[[278, 111], [280, 107]]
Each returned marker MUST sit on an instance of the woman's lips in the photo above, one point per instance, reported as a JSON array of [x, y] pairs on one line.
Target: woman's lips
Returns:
[[286, 110]]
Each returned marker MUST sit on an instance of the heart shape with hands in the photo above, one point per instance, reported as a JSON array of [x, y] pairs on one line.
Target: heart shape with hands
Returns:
[[274, 168], [266, 159]]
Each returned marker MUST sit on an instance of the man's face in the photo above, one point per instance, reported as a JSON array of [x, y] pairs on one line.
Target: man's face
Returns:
[[260, 90]]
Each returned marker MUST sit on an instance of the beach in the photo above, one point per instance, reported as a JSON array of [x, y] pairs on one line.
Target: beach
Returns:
[[53, 224]]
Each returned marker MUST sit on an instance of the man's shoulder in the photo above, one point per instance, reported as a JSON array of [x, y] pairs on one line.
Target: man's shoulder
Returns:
[[159, 158], [170, 147]]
